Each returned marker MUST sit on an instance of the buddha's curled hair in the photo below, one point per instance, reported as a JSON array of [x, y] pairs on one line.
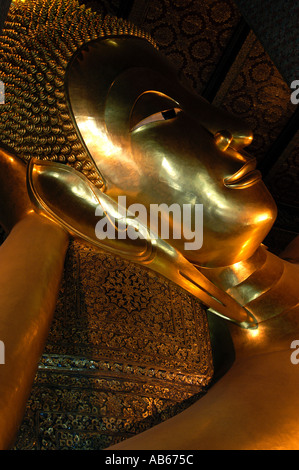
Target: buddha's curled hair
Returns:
[[37, 42]]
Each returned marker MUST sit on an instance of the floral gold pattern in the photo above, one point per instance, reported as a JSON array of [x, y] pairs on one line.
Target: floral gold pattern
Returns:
[[126, 350]]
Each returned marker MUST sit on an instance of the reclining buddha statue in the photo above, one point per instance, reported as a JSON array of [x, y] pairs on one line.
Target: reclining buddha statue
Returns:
[[95, 115]]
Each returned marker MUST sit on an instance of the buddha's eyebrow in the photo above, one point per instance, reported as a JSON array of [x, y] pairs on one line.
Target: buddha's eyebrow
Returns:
[[165, 115], [169, 114]]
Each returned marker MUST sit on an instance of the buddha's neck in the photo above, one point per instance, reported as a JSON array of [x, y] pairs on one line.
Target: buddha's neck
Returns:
[[265, 284]]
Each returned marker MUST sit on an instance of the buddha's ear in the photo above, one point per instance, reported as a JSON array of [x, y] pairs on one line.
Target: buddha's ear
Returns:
[[65, 196]]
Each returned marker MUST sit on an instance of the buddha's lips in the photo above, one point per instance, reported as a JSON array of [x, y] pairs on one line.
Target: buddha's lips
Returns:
[[245, 177]]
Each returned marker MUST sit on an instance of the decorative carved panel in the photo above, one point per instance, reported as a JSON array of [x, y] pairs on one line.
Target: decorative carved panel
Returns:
[[126, 350]]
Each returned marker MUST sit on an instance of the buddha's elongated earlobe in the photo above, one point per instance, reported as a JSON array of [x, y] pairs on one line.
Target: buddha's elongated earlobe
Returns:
[[67, 197]]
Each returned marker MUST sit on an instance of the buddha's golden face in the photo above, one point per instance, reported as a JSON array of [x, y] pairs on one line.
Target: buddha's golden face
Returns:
[[153, 140]]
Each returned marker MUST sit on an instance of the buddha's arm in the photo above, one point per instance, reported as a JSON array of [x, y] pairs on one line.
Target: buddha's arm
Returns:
[[31, 261], [253, 406], [250, 408]]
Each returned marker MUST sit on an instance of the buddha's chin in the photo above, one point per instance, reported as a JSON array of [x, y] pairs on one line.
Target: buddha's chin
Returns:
[[226, 252], [223, 257]]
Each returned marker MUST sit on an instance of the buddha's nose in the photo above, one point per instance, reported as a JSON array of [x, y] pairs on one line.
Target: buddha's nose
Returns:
[[223, 139], [246, 173], [237, 139]]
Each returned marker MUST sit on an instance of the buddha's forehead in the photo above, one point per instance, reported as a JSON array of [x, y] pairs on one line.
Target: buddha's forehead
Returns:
[[96, 66], [105, 79], [113, 55], [106, 76]]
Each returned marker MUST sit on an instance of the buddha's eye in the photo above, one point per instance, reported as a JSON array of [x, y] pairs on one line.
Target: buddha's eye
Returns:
[[160, 116]]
